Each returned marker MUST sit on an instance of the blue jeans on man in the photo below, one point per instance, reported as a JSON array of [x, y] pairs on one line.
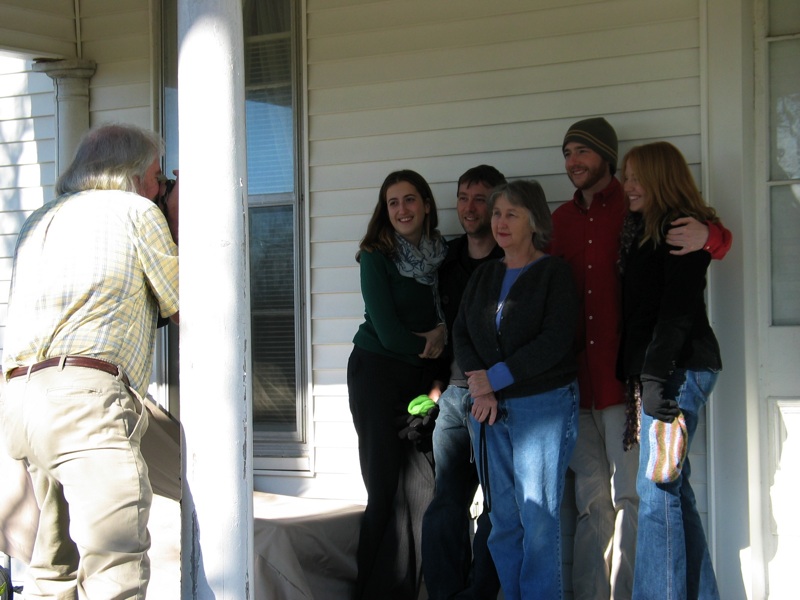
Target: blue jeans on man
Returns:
[[451, 570], [672, 558]]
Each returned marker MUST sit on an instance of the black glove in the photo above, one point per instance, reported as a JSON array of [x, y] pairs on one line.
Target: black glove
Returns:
[[419, 430], [653, 404]]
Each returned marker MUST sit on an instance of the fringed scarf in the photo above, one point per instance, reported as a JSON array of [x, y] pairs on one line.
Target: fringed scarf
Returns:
[[632, 230], [422, 263], [633, 406]]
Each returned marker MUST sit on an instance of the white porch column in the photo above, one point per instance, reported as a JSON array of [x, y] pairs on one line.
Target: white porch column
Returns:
[[217, 505], [71, 81]]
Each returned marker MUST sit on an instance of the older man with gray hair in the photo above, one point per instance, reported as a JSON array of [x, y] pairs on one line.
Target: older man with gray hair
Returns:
[[93, 270]]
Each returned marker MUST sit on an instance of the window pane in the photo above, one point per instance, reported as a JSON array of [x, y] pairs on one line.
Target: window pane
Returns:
[[272, 312], [784, 87], [271, 120], [269, 113], [270, 143], [785, 223], [266, 16], [169, 75]]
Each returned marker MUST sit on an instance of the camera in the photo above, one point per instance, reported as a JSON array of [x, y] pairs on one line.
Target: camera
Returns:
[[161, 201]]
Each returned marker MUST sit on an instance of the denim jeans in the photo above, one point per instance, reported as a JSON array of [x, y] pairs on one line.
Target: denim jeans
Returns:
[[672, 559], [528, 449], [451, 570]]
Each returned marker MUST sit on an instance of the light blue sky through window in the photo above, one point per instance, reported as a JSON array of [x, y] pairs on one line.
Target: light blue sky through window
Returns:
[[270, 148]]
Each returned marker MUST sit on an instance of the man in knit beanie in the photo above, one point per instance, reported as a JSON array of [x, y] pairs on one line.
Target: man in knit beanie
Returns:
[[586, 232], [597, 134]]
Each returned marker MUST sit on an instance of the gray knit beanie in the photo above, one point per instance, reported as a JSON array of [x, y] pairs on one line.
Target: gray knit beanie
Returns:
[[597, 134]]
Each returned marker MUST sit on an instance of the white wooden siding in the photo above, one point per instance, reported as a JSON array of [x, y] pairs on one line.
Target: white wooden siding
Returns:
[[442, 86], [27, 157], [42, 28], [117, 35]]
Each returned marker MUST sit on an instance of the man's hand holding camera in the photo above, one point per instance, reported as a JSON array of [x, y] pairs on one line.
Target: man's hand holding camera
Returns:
[[168, 203]]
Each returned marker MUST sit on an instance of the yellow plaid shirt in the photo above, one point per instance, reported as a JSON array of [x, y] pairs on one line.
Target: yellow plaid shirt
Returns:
[[91, 272]]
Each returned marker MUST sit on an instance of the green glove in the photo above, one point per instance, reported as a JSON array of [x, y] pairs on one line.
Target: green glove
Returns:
[[420, 405]]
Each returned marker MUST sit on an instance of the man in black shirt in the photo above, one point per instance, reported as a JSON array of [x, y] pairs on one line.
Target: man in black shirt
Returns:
[[450, 569]]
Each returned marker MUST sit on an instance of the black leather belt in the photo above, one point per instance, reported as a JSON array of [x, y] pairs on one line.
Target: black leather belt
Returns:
[[70, 361]]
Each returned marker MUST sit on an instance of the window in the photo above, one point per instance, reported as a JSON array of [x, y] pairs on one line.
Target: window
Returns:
[[275, 221], [783, 84], [272, 115]]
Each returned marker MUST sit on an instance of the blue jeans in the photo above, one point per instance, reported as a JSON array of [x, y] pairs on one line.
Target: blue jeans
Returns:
[[528, 450], [672, 559], [451, 570]]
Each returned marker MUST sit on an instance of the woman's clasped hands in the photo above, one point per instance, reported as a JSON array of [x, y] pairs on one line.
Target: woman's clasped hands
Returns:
[[435, 340], [484, 402]]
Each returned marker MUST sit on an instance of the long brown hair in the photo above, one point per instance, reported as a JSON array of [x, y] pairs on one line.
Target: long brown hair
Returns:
[[663, 173], [380, 233]]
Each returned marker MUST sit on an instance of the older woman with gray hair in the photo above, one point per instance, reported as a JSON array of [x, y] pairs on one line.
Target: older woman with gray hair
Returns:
[[514, 339]]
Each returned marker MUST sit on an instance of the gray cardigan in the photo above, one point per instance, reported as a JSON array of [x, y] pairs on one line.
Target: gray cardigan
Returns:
[[537, 327]]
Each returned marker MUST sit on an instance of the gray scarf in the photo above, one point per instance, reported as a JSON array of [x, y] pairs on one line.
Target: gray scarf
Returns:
[[421, 263]]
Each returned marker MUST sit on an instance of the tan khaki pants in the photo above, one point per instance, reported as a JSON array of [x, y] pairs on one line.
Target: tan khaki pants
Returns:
[[607, 503], [79, 431]]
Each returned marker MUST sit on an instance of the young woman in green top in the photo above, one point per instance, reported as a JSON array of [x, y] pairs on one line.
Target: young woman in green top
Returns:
[[393, 361]]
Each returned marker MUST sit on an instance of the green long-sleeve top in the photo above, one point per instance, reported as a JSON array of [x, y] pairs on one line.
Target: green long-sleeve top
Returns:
[[394, 308]]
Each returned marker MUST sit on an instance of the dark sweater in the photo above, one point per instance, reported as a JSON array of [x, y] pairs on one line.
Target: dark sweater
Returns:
[[537, 328], [454, 273], [394, 308], [664, 313]]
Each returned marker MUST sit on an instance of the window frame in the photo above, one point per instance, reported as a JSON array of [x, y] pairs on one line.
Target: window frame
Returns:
[[766, 179], [273, 452]]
